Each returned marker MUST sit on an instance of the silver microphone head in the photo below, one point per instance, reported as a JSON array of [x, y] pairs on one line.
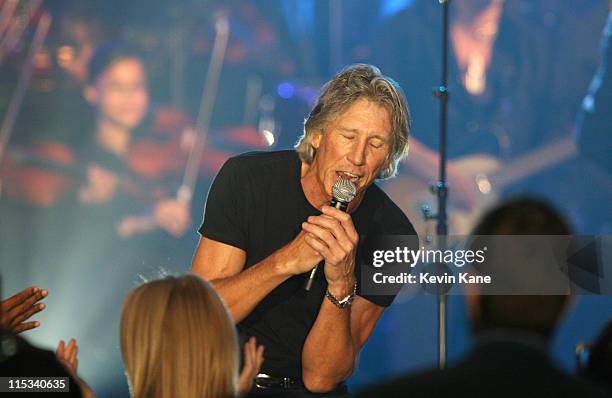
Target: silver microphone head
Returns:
[[344, 190]]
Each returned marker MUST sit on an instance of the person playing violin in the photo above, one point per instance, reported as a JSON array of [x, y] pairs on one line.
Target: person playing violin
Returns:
[[118, 91]]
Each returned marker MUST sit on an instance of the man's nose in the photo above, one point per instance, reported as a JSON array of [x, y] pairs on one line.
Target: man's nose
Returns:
[[357, 154]]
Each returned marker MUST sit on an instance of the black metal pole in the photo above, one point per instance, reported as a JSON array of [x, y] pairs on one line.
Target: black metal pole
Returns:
[[441, 189]]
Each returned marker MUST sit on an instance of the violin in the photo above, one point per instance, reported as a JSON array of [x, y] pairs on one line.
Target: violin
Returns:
[[160, 153], [40, 175], [163, 152], [49, 171]]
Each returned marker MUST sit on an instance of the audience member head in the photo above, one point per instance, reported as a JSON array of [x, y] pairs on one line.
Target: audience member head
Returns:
[[533, 313], [18, 358], [178, 340], [117, 86]]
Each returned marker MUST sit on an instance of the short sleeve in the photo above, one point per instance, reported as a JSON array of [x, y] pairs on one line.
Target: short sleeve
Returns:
[[383, 296], [392, 224], [225, 213]]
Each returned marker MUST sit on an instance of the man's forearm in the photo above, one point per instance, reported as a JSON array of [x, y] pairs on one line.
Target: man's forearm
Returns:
[[328, 355], [243, 291]]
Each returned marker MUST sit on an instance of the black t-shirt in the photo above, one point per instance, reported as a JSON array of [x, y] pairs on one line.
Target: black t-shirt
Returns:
[[256, 203]]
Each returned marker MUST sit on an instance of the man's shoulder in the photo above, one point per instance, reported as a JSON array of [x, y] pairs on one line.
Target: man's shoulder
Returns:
[[261, 165], [388, 213]]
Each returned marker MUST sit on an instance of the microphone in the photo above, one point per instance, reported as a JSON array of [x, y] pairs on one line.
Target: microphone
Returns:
[[343, 192]]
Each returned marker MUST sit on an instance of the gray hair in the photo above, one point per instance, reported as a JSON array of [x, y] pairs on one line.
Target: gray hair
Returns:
[[352, 83]]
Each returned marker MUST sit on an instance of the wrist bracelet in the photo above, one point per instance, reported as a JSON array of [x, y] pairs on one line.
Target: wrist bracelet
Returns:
[[345, 302]]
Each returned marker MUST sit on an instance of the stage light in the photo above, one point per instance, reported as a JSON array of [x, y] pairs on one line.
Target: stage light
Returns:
[[268, 136], [285, 90]]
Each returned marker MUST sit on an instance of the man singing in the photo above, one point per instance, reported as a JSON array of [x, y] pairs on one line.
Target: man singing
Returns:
[[267, 224]]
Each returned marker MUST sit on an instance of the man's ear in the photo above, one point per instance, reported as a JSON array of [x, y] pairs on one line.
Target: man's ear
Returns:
[[315, 141], [91, 94]]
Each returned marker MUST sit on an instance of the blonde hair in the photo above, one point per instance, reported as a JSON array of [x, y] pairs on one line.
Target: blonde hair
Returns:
[[178, 340], [352, 83]]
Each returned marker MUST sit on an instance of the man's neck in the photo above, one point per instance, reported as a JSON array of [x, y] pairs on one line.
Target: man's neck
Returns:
[[112, 137], [314, 192]]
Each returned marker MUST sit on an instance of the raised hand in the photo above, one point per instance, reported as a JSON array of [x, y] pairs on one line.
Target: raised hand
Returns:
[[253, 358], [67, 355], [17, 309]]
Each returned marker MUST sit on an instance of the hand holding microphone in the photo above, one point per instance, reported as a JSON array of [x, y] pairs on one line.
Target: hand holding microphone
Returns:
[[334, 236]]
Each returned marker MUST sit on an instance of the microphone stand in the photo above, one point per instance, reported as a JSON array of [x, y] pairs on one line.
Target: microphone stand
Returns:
[[441, 187]]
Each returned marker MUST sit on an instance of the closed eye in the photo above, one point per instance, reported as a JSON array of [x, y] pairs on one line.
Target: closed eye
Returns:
[[376, 144]]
